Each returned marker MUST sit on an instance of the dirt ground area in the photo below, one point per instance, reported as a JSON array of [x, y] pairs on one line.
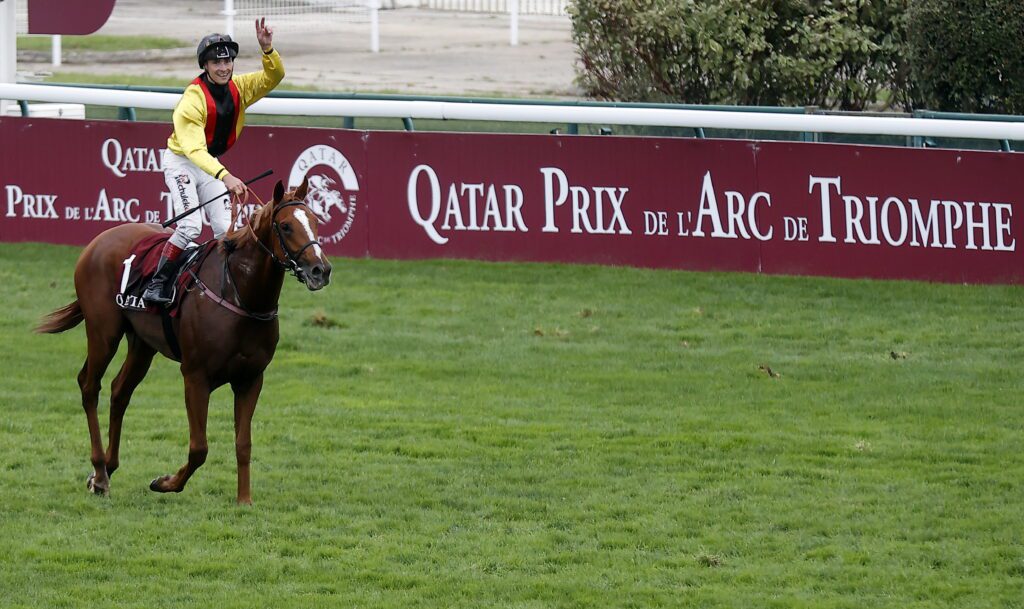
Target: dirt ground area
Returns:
[[421, 52]]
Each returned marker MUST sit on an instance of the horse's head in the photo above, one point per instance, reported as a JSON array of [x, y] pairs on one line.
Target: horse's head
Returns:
[[293, 237]]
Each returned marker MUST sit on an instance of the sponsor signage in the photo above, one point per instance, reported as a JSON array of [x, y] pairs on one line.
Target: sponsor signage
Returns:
[[68, 181], [774, 207]]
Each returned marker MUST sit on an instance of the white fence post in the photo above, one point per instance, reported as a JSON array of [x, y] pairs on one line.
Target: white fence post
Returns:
[[55, 48], [8, 46], [229, 17], [375, 26], [513, 8]]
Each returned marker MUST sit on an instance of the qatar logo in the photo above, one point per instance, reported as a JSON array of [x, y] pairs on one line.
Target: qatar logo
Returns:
[[333, 187]]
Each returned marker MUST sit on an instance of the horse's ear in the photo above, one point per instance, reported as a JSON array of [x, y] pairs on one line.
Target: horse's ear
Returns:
[[300, 192], [278, 192]]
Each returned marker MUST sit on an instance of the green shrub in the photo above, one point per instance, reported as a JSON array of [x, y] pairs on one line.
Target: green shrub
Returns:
[[966, 56], [830, 53]]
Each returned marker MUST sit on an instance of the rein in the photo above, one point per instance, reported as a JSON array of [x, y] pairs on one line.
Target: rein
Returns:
[[227, 304], [289, 264]]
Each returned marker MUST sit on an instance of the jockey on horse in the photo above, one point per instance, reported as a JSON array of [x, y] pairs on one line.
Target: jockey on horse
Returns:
[[207, 121]]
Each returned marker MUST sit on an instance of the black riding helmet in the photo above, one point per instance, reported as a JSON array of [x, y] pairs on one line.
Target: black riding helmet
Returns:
[[216, 46]]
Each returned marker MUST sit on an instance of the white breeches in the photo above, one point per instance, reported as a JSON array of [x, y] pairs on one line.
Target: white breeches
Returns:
[[191, 186]]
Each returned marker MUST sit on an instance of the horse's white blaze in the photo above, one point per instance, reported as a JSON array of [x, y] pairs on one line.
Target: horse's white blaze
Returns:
[[304, 221]]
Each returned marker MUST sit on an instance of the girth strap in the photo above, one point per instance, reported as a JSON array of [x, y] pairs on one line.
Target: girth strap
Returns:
[[169, 335]]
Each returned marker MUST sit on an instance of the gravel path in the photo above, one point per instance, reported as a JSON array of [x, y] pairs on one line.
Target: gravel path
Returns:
[[422, 52]]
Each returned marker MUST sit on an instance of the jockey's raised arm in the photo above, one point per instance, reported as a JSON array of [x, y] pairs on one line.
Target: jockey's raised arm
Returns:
[[208, 121]]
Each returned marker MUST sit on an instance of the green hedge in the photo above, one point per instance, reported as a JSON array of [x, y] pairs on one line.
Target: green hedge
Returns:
[[966, 54], [843, 54]]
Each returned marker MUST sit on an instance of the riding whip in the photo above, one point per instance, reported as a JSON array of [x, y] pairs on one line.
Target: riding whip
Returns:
[[204, 204]]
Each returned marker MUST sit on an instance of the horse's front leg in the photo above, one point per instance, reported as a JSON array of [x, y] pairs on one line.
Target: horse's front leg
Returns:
[[246, 395], [197, 402]]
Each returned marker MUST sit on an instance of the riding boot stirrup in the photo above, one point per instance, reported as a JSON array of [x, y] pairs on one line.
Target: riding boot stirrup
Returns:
[[161, 288]]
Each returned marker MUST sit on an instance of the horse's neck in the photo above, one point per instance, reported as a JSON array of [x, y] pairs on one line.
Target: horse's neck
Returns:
[[258, 279]]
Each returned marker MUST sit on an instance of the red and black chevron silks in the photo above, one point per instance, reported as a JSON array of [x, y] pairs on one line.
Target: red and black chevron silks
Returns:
[[221, 116]]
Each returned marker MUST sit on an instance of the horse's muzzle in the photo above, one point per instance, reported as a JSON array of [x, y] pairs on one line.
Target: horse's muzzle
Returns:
[[316, 276]]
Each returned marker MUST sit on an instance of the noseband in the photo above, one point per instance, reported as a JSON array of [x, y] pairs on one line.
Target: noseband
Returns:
[[291, 261]]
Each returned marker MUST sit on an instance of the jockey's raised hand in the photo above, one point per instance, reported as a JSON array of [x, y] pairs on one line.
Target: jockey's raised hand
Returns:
[[264, 35]]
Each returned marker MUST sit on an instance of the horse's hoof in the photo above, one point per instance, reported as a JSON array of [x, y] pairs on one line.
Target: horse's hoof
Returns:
[[155, 485], [90, 484]]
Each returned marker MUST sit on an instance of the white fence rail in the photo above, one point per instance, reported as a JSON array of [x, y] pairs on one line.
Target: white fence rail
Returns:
[[564, 114], [526, 7], [21, 11], [303, 12], [307, 14]]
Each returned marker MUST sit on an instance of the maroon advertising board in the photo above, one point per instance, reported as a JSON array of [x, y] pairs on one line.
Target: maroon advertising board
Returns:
[[772, 207], [545, 198], [848, 211], [66, 181], [67, 16]]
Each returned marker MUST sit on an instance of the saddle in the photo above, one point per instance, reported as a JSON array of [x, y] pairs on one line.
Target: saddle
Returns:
[[141, 265]]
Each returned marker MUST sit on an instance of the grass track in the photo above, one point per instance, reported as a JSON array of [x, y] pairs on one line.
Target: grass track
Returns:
[[475, 435], [100, 42]]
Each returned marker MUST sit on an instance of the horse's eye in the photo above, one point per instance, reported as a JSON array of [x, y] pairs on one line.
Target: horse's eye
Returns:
[[286, 229]]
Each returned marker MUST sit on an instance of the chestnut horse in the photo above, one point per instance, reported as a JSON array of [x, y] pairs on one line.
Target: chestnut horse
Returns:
[[223, 339]]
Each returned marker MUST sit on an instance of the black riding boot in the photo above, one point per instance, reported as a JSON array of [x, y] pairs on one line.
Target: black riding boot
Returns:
[[161, 287]]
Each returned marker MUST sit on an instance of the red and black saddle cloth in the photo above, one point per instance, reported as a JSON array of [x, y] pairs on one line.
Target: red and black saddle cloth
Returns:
[[140, 266]]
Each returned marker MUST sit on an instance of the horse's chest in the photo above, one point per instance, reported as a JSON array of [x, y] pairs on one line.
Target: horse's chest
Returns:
[[238, 361], [250, 362]]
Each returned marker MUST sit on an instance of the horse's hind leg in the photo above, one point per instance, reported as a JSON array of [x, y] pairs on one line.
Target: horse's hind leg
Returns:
[[136, 365], [103, 339]]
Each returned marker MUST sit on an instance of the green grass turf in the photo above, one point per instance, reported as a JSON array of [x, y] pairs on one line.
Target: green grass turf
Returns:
[[462, 434], [101, 42]]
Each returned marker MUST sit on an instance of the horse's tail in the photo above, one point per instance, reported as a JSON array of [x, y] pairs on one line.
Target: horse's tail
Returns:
[[64, 318]]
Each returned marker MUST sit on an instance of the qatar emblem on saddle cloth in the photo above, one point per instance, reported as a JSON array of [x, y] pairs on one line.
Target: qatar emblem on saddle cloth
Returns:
[[141, 265]]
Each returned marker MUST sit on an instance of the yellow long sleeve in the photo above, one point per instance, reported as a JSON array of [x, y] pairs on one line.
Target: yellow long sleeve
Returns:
[[190, 115]]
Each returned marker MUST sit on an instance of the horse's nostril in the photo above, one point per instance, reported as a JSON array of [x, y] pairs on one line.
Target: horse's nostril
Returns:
[[317, 271]]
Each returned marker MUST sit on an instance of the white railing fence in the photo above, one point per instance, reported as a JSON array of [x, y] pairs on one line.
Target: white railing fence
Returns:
[[324, 14], [304, 12], [526, 7], [545, 113], [308, 14], [21, 8]]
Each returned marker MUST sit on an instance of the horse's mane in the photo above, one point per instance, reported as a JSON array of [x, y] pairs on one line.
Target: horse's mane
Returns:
[[237, 238]]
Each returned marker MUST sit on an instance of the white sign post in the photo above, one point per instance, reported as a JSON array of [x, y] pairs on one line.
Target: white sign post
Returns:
[[229, 17], [375, 26], [8, 46]]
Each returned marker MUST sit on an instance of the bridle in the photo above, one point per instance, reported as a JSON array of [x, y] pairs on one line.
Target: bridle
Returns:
[[291, 261], [289, 264]]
